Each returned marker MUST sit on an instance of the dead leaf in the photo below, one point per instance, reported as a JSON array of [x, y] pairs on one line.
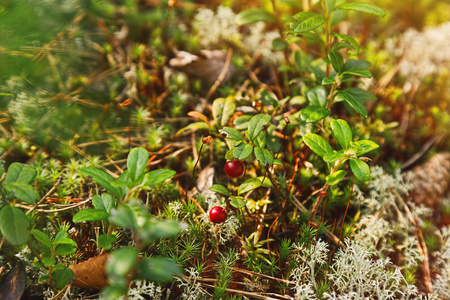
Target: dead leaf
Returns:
[[207, 65], [13, 284], [90, 274], [205, 179]]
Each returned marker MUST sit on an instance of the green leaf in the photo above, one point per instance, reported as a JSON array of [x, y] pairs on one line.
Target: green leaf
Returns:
[[317, 144], [264, 156], [317, 96], [328, 80], [229, 155], [314, 113], [21, 173], [90, 214], [363, 7], [355, 98], [241, 122], [350, 40], [220, 189], [248, 185], [14, 225], [337, 17], [242, 151], [157, 269], [156, 177], [334, 178], [364, 146], [265, 182], [222, 110], [42, 238], [22, 191], [360, 73], [278, 44], [307, 21], [60, 237], [256, 125], [253, 15], [106, 241], [104, 202], [66, 247], [237, 202], [342, 132], [336, 60], [360, 169], [62, 277], [102, 178], [136, 164], [123, 217], [354, 64], [260, 140], [48, 261], [331, 157], [119, 264], [156, 229], [232, 134]]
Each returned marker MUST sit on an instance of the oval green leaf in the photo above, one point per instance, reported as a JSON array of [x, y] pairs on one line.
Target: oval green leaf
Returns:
[[14, 225], [22, 191], [237, 202], [104, 202], [363, 7], [232, 134], [254, 15], [248, 185], [102, 178], [317, 144], [136, 164], [242, 151], [106, 241], [156, 177], [360, 169], [365, 146], [21, 173], [314, 113], [42, 238], [90, 214], [317, 96], [331, 157], [334, 178], [307, 21], [256, 125], [336, 59], [342, 132], [220, 189]]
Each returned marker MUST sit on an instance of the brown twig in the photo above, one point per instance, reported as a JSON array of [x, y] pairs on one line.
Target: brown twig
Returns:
[[49, 193]]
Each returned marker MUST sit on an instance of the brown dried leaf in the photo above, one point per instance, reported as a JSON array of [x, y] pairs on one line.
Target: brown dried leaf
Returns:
[[90, 274], [205, 178], [13, 284], [207, 65]]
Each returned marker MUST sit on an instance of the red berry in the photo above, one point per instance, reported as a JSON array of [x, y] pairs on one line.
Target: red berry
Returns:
[[234, 168], [217, 214]]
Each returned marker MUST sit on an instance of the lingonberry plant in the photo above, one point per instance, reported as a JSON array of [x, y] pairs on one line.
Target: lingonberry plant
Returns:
[[276, 201]]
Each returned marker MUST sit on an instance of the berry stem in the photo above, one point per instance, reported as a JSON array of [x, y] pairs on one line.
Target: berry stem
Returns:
[[193, 172]]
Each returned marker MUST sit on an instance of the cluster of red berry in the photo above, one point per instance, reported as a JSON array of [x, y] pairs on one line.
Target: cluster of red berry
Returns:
[[233, 169]]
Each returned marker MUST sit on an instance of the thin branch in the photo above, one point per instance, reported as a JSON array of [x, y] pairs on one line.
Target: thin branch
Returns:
[[49, 193]]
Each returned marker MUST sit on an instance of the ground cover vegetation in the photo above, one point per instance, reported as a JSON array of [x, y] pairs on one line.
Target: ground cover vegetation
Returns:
[[224, 149]]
